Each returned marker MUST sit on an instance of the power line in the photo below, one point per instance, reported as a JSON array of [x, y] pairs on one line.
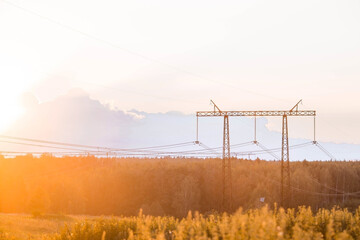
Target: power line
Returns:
[[324, 150], [266, 150], [145, 151], [148, 150], [39, 145], [152, 150], [51, 142], [90, 146]]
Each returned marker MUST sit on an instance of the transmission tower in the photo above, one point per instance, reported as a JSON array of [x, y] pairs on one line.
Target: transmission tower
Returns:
[[226, 168], [285, 193], [285, 165]]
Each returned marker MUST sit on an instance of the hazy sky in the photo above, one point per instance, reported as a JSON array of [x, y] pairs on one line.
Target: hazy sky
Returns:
[[76, 118], [157, 56]]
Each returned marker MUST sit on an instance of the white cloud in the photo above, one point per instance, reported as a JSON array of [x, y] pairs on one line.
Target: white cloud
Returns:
[[76, 118]]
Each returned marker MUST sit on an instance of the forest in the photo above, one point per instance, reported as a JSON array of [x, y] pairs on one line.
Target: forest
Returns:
[[166, 186]]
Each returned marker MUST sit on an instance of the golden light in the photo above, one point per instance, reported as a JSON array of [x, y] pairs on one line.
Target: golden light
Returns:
[[14, 83]]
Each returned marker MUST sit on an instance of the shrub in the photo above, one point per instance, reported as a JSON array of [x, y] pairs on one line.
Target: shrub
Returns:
[[262, 224]]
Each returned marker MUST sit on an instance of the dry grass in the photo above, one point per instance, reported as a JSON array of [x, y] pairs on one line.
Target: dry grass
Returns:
[[256, 224], [22, 226]]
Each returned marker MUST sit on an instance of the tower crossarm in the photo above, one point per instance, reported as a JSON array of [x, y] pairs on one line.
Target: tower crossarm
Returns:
[[303, 113]]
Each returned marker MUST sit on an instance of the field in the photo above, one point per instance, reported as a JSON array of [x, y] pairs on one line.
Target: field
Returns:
[[253, 224], [25, 226], [70, 194]]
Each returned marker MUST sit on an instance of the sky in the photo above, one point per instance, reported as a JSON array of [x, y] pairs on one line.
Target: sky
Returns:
[[161, 56], [77, 118]]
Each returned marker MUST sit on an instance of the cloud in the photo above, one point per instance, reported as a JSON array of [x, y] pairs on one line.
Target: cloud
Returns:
[[77, 118], [74, 117]]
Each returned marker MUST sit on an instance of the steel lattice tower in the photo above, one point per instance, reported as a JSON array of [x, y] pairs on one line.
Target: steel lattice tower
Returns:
[[285, 165], [226, 168], [285, 192]]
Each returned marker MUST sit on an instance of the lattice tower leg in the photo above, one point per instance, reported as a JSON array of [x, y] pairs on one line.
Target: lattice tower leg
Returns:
[[226, 168], [285, 165]]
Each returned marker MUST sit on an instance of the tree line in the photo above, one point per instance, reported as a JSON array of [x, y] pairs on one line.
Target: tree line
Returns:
[[166, 186]]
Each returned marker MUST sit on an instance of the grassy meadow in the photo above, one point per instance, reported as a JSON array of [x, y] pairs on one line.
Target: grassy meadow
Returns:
[[302, 224], [25, 226]]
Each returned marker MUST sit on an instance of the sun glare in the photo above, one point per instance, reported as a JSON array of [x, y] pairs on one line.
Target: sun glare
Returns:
[[10, 94], [10, 108]]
